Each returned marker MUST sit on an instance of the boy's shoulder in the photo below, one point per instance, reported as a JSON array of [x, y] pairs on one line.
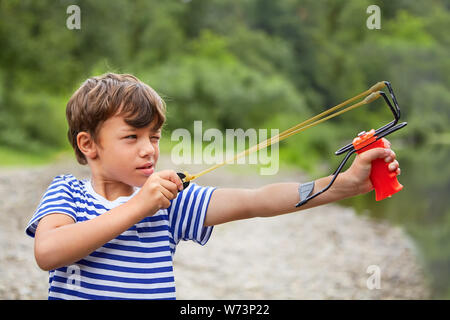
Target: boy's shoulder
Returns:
[[68, 177], [68, 183], [68, 180], [62, 196]]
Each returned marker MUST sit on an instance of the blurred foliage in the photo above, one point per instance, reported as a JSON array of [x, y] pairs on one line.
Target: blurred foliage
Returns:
[[243, 64]]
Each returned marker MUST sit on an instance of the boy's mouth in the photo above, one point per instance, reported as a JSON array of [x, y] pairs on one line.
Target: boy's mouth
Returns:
[[146, 169]]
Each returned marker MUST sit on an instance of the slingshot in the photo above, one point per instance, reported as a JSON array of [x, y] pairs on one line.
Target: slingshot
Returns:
[[384, 181]]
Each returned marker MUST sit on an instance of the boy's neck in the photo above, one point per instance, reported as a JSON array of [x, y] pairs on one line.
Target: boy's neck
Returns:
[[110, 190]]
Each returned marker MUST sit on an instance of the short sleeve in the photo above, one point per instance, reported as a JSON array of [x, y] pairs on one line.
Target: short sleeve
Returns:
[[57, 199], [187, 214]]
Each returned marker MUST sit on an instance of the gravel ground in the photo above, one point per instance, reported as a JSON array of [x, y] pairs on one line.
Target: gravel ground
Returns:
[[320, 253]]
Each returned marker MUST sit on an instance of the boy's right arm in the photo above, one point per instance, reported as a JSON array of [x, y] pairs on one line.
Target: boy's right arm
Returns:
[[59, 241]]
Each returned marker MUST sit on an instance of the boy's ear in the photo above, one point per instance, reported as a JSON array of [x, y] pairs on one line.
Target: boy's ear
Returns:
[[87, 145]]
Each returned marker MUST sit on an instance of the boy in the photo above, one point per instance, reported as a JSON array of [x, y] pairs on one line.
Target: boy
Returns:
[[113, 236]]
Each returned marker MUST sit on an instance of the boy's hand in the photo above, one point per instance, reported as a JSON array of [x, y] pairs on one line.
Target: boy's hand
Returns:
[[357, 178], [158, 190]]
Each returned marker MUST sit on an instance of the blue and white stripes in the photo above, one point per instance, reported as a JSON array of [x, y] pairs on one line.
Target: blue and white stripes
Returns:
[[138, 263]]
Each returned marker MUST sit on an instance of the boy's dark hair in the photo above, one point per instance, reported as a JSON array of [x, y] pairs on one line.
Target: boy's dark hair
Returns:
[[102, 97]]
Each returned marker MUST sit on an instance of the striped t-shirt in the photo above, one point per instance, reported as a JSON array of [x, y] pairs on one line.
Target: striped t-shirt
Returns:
[[138, 263]]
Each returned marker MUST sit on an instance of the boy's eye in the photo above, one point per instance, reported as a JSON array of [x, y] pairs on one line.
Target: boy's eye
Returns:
[[155, 138], [131, 136]]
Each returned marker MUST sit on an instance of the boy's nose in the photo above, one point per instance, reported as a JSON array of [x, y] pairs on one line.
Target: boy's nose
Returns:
[[146, 149]]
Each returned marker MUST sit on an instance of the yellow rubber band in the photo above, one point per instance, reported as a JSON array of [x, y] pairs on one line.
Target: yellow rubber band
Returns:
[[371, 95]]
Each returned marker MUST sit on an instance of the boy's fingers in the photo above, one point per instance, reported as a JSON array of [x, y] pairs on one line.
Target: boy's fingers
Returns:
[[390, 157], [393, 165], [172, 176], [373, 154], [387, 143], [387, 154], [167, 174], [169, 189], [170, 185]]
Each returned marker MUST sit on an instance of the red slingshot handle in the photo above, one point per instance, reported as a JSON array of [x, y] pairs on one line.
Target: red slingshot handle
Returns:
[[384, 181]]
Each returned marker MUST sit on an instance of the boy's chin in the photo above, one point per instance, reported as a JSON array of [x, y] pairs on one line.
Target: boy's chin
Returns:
[[140, 182]]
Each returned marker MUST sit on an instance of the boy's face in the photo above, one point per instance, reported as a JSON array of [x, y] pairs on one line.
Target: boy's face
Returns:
[[127, 154]]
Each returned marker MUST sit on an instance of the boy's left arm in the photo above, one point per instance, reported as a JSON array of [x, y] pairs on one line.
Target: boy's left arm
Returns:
[[229, 204]]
